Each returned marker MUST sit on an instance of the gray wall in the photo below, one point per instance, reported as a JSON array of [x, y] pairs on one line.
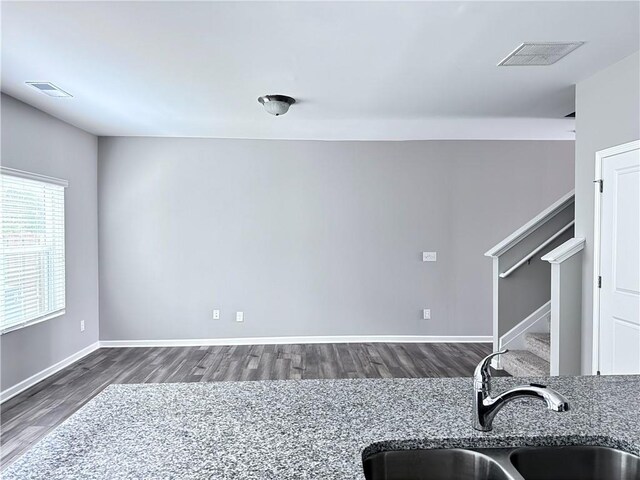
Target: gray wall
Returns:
[[310, 238], [36, 142], [607, 114]]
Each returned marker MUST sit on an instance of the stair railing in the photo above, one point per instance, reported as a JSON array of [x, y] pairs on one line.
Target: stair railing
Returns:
[[515, 297], [541, 247]]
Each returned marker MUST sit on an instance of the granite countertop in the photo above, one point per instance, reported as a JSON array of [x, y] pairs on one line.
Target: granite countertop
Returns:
[[311, 429]]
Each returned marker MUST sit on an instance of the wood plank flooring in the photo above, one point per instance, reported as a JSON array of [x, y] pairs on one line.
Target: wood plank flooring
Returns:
[[28, 417]]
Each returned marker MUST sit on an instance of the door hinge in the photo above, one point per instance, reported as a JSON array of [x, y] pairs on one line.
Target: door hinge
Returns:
[[601, 183], [599, 282]]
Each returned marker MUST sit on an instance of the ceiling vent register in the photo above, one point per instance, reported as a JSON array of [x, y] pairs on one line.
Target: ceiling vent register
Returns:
[[536, 54], [49, 89]]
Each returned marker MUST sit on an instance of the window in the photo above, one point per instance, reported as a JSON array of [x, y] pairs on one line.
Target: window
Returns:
[[32, 271]]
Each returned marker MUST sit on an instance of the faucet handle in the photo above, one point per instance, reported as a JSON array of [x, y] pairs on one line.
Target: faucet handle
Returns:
[[482, 373]]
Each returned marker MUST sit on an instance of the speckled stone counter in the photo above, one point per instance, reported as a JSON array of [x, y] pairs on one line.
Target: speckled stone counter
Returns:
[[311, 428]]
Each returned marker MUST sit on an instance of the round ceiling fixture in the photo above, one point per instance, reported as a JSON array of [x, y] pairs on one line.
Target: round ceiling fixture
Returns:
[[276, 104]]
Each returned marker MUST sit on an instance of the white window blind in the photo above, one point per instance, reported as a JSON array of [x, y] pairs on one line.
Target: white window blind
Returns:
[[32, 266]]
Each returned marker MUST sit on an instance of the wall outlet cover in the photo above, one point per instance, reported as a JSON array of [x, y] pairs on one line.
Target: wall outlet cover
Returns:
[[426, 314], [239, 316], [429, 256], [216, 314], [82, 325]]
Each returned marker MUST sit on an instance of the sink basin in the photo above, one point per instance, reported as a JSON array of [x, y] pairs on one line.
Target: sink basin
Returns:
[[444, 464], [522, 463], [575, 463]]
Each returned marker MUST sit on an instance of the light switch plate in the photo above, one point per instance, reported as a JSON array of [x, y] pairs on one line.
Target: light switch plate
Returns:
[[429, 256]]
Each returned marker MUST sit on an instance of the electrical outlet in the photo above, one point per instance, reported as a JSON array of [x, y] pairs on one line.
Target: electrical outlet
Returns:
[[239, 316], [82, 325], [426, 314], [216, 314], [429, 256]]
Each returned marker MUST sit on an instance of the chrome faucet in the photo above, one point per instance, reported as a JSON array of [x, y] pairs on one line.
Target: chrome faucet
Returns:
[[485, 407]]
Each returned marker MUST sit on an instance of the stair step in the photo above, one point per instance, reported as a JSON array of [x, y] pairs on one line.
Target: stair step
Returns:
[[539, 344], [523, 363]]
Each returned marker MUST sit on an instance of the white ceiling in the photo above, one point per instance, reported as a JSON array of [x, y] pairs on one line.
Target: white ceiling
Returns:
[[379, 70]]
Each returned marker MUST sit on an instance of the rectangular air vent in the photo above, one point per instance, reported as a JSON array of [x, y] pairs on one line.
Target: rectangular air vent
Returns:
[[49, 89], [541, 53]]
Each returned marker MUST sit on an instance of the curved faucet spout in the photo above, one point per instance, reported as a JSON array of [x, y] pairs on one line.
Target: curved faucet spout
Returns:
[[555, 402], [485, 407], [491, 406]]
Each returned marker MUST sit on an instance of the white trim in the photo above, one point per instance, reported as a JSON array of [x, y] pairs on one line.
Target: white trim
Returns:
[[33, 176], [529, 227], [539, 248], [537, 321], [496, 309], [565, 251], [33, 321], [197, 342], [597, 218], [47, 372]]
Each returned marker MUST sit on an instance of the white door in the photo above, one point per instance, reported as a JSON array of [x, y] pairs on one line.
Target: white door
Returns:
[[620, 260]]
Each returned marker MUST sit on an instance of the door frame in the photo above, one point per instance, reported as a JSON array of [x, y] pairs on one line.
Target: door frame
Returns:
[[601, 156]]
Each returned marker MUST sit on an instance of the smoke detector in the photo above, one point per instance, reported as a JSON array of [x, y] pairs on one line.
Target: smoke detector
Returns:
[[539, 53], [276, 104], [49, 88]]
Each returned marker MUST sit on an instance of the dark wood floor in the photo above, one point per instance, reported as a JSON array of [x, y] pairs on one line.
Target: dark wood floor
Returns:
[[28, 417]]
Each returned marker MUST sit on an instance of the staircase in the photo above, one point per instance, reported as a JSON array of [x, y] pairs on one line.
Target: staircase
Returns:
[[530, 287], [532, 362]]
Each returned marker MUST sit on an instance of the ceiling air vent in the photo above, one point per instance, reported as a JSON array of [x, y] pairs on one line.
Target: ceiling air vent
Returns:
[[49, 89], [542, 53]]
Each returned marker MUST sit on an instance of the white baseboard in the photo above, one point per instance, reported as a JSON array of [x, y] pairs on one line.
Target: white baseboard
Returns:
[[196, 342], [537, 322], [38, 377]]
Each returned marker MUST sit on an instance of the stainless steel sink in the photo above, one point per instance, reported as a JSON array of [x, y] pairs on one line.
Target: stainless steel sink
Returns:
[[575, 463], [444, 464], [525, 463]]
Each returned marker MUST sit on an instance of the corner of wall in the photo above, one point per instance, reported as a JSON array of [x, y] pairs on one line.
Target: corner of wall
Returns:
[[613, 93]]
